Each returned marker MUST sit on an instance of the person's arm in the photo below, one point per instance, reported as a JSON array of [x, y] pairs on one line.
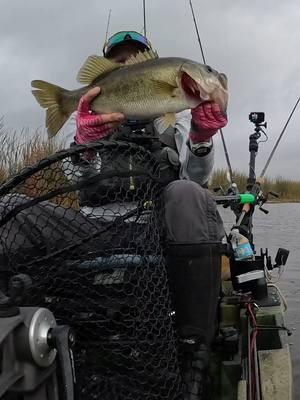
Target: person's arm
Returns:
[[67, 133], [93, 127], [85, 127], [194, 132]]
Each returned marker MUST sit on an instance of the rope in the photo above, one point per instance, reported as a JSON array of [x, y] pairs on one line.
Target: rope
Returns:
[[280, 294]]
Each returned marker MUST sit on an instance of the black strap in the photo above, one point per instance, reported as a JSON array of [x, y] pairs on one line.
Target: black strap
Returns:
[[139, 131]]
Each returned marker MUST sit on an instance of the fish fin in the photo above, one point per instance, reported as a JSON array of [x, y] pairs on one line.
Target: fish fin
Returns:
[[165, 121], [165, 88], [176, 92], [50, 96], [141, 57], [93, 67]]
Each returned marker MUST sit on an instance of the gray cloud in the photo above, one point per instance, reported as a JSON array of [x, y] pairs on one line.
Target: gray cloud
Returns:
[[255, 43]]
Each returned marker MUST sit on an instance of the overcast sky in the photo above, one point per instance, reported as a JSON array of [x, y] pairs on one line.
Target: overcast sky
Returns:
[[256, 43]]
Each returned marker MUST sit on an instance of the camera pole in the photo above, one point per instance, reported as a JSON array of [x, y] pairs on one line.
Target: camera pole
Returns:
[[253, 149], [252, 182]]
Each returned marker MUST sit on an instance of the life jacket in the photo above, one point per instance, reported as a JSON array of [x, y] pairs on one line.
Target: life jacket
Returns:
[[116, 189]]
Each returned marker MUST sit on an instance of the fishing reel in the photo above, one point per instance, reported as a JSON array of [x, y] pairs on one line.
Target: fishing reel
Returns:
[[36, 353]]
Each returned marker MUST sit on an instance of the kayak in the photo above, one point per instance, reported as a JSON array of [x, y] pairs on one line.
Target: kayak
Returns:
[[235, 377]]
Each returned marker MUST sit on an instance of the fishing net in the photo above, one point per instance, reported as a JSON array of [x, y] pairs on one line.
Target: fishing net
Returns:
[[99, 270]]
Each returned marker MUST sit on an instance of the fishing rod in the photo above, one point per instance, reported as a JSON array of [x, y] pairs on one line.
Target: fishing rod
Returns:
[[279, 139], [197, 32], [107, 26], [144, 12], [221, 131]]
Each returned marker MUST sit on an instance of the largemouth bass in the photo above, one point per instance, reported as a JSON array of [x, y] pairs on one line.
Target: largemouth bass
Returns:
[[145, 87]]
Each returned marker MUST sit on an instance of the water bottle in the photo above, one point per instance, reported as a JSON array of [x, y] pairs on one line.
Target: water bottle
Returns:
[[242, 249]]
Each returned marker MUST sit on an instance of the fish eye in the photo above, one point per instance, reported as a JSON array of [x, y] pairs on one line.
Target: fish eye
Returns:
[[209, 69]]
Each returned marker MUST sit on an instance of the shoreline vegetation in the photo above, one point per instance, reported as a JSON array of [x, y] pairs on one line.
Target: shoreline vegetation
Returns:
[[287, 189], [17, 152]]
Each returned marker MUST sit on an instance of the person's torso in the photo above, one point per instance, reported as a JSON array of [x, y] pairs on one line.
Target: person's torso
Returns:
[[122, 177]]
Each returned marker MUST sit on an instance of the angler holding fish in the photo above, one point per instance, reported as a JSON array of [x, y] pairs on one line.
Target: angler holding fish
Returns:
[[131, 87], [141, 86]]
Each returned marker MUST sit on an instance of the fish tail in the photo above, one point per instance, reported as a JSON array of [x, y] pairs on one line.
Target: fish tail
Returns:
[[52, 98]]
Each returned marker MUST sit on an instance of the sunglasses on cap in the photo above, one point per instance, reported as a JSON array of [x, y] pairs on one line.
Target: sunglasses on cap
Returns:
[[122, 36]]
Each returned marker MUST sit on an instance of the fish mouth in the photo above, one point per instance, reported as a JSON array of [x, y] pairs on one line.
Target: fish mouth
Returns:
[[191, 88], [223, 80], [195, 91]]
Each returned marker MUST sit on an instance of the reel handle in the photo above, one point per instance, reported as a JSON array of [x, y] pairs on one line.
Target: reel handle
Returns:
[[62, 339]]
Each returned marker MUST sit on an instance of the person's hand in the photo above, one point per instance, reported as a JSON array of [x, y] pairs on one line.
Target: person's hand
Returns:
[[93, 127], [207, 119]]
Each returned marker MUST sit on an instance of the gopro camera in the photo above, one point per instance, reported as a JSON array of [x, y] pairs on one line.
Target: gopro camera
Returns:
[[257, 117]]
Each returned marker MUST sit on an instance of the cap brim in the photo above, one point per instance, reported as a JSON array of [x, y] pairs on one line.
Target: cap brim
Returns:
[[115, 47]]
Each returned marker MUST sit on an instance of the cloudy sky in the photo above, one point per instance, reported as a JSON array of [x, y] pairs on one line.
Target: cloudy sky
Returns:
[[256, 43]]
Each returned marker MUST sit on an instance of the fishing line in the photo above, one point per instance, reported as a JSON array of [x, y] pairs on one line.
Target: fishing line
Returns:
[[204, 61]]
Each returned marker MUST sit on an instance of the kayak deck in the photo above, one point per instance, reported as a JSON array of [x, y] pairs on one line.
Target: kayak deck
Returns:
[[230, 354]]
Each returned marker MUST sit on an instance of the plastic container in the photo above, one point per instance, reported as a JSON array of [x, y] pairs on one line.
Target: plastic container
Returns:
[[242, 249]]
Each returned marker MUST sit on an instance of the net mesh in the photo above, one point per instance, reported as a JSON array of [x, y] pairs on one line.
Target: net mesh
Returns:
[[100, 270]]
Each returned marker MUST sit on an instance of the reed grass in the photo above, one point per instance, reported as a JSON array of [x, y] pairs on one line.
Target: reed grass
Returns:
[[19, 150], [287, 189]]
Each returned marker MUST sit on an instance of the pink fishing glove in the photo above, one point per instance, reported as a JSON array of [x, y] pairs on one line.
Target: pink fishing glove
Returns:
[[94, 127], [207, 119]]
